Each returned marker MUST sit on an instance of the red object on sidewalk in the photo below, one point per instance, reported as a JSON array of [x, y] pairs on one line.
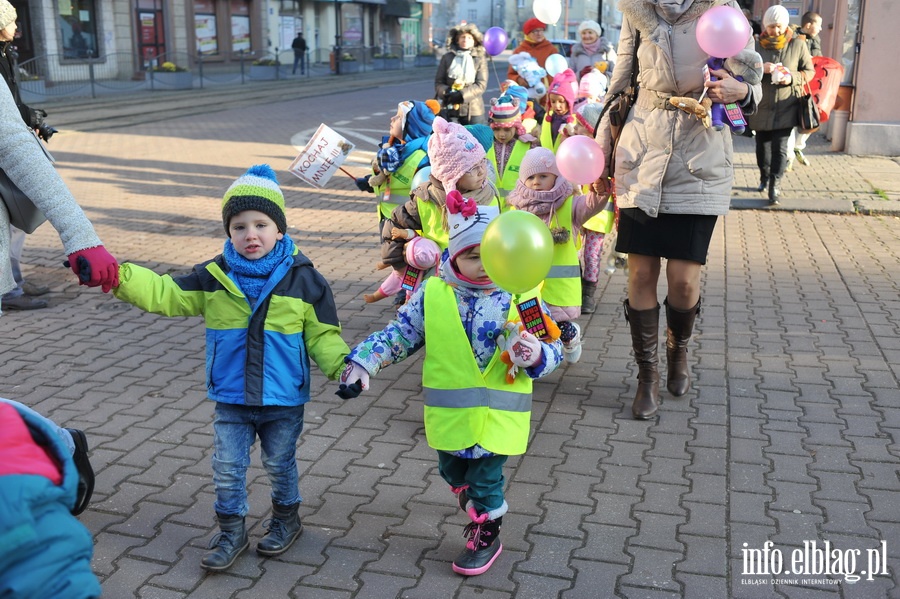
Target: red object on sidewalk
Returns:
[[825, 84]]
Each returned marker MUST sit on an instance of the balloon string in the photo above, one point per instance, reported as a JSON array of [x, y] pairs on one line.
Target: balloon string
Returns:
[[494, 67]]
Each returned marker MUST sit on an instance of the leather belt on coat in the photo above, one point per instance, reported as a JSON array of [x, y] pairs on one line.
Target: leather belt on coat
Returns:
[[650, 99]]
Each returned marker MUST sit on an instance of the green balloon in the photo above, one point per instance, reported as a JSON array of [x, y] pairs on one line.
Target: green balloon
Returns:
[[517, 251]]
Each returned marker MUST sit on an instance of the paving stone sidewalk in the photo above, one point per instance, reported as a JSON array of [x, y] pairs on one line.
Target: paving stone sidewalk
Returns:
[[789, 437]]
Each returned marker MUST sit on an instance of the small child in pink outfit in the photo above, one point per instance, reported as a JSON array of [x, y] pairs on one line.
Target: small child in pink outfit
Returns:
[[422, 257]]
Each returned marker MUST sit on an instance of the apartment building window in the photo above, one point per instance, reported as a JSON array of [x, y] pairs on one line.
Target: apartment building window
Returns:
[[472, 15]]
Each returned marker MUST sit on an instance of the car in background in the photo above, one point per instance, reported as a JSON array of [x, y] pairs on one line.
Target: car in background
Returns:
[[564, 46]]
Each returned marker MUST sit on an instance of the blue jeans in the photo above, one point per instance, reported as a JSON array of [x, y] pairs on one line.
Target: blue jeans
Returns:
[[236, 428], [299, 58], [484, 477]]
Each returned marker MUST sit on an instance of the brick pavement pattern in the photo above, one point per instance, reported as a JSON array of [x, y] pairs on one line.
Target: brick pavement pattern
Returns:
[[790, 433]]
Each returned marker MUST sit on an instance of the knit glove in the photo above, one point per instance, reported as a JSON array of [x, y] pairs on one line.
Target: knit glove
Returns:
[[453, 97], [524, 349], [388, 159], [95, 267], [354, 380], [363, 184]]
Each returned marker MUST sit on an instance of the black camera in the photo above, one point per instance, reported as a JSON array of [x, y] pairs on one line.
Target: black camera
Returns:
[[44, 130]]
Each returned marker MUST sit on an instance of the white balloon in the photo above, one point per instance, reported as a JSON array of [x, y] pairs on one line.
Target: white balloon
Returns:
[[555, 64], [420, 177], [547, 11]]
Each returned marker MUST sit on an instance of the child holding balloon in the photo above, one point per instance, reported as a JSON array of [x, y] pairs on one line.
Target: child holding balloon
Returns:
[[475, 417], [542, 191], [457, 163]]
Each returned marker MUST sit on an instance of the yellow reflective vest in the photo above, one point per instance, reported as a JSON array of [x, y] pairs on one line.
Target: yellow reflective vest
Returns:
[[562, 287], [510, 174], [464, 406], [397, 188], [547, 137]]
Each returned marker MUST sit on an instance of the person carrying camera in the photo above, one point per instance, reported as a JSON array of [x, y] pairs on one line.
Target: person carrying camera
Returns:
[[20, 298]]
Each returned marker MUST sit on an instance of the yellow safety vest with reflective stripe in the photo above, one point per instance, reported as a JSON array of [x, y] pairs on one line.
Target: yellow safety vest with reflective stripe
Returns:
[[464, 406], [602, 222], [397, 188], [547, 137], [562, 287], [510, 173]]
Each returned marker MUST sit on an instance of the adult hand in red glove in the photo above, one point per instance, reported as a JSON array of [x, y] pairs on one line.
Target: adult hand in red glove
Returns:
[[95, 267]]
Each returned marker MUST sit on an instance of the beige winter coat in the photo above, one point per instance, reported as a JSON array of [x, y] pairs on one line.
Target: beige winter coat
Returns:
[[667, 161]]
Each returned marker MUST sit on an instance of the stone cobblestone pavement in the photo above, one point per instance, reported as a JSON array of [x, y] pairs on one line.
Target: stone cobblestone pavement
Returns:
[[789, 436]]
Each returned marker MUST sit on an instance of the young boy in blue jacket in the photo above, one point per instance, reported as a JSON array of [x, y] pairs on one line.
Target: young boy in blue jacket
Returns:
[[268, 311]]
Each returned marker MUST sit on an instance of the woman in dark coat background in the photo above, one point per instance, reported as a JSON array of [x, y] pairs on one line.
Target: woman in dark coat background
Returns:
[[778, 111], [462, 76]]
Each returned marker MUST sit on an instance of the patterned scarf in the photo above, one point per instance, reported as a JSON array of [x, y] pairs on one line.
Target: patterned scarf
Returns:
[[252, 275], [776, 43], [462, 69], [540, 203]]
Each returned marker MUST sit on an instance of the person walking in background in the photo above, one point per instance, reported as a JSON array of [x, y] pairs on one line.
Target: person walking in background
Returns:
[[592, 48], [268, 311], [673, 178], [23, 296], [299, 46], [787, 66], [539, 47], [462, 76], [810, 26]]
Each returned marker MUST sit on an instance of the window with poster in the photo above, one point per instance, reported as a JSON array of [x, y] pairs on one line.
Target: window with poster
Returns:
[[240, 26], [207, 38], [151, 32], [78, 28]]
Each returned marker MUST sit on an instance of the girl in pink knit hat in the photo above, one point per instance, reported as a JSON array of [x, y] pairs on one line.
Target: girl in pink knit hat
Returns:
[[542, 191], [560, 108], [457, 163]]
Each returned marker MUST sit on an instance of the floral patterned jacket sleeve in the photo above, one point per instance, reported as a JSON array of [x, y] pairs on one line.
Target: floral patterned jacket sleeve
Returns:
[[401, 338]]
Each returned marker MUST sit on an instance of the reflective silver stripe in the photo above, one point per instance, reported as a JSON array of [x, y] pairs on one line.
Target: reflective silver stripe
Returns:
[[478, 397], [562, 271], [396, 198]]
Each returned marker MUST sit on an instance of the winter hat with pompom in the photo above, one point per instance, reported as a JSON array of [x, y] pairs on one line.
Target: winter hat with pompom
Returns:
[[257, 189], [538, 160], [422, 252], [453, 152], [468, 222]]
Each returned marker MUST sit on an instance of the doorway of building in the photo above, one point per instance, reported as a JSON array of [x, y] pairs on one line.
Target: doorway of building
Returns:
[[151, 33]]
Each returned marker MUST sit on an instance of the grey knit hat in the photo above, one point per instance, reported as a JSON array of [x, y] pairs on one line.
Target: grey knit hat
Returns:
[[7, 13]]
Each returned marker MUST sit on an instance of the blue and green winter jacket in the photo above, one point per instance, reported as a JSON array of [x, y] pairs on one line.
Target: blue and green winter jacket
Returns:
[[255, 355]]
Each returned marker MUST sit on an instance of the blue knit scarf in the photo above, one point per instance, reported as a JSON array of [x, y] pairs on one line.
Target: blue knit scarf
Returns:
[[252, 275]]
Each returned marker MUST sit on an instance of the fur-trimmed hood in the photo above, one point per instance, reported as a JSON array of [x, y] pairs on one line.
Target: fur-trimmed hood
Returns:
[[643, 13], [469, 28]]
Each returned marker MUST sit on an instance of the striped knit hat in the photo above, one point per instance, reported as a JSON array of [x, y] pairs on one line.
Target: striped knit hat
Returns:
[[257, 189]]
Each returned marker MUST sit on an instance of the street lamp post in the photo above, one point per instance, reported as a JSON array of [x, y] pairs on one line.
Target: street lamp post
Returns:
[[337, 37]]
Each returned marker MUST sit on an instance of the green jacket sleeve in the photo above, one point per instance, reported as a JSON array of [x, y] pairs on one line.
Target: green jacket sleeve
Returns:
[[159, 294], [323, 340]]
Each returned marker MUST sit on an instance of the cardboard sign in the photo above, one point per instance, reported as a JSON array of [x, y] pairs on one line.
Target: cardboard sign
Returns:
[[321, 157]]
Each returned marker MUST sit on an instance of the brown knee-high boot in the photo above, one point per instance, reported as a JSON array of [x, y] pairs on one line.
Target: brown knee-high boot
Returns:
[[645, 341], [679, 326]]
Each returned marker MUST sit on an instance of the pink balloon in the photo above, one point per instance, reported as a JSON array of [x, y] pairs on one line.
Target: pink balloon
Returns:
[[495, 41], [723, 31], [580, 159]]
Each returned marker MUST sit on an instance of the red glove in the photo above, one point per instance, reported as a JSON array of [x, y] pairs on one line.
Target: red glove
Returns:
[[95, 267]]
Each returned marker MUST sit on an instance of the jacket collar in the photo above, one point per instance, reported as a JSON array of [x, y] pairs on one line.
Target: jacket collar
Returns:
[[642, 13]]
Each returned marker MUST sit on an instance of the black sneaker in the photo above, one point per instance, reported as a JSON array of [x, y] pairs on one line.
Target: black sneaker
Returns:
[[85, 471]]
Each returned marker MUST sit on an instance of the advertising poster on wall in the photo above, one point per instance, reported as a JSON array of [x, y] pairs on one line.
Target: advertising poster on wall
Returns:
[[205, 26], [240, 33]]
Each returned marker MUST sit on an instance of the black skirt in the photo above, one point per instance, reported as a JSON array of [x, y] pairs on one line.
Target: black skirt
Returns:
[[674, 236]]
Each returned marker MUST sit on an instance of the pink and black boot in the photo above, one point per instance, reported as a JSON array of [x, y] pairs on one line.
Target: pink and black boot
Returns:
[[483, 545]]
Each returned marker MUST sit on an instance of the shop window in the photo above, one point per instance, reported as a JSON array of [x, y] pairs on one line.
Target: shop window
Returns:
[[240, 26], [78, 28], [205, 27]]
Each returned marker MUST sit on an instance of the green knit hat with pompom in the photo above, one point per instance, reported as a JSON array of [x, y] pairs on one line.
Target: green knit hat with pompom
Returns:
[[257, 189]]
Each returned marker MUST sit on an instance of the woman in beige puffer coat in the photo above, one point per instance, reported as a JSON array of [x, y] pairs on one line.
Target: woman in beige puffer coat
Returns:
[[673, 178]]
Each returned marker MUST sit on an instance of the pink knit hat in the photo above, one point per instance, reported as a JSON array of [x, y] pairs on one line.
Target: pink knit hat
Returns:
[[422, 252], [566, 85], [537, 160], [453, 152]]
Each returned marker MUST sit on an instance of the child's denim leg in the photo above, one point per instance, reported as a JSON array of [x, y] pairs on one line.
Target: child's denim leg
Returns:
[[279, 428], [234, 436]]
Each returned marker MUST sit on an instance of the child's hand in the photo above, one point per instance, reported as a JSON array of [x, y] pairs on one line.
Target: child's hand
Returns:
[[397, 233], [354, 380], [362, 183], [601, 186], [524, 349]]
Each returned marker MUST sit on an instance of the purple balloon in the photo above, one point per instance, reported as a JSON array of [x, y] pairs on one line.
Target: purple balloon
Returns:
[[495, 41], [723, 31]]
